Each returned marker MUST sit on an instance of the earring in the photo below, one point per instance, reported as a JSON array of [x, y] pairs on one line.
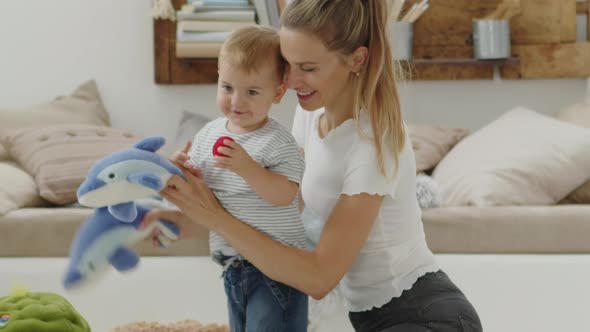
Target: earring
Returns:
[[358, 73]]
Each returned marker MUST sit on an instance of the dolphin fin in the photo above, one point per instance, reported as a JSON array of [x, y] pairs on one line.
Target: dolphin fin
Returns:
[[151, 144], [146, 179], [124, 259], [71, 279], [126, 212]]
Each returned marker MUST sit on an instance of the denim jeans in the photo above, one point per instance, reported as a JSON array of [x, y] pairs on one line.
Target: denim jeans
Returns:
[[257, 303], [433, 303]]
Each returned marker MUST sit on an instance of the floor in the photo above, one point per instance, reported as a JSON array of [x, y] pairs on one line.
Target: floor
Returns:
[[511, 293]]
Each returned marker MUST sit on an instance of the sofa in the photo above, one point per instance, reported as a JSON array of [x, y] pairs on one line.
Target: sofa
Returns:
[[46, 151], [518, 185]]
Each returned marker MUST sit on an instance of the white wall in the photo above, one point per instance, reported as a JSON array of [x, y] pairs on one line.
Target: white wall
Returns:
[[48, 47]]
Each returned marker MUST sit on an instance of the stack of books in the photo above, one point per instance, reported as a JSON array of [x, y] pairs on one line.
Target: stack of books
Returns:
[[203, 25]]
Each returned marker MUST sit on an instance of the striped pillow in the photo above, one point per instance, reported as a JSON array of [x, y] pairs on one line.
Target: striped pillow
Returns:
[[59, 156]]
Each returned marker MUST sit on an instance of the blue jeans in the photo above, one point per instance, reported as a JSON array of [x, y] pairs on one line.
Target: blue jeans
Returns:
[[433, 304], [257, 303]]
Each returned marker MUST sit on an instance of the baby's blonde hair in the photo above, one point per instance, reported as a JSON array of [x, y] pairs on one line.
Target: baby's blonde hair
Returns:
[[251, 47], [344, 26]]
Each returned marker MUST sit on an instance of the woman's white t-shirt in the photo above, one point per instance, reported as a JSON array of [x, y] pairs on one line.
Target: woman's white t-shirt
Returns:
[[344, 162]]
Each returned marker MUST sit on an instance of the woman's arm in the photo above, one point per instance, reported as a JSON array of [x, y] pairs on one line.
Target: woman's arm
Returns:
[[316, 272]]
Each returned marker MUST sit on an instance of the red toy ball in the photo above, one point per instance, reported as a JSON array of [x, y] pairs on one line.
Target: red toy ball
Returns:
[[219, 143]]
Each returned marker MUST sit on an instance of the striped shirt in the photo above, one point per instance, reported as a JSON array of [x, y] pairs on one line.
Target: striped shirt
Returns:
[[272, 147]]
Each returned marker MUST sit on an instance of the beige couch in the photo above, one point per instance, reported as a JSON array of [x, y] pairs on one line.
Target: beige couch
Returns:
[[506, 230], [469, 221]]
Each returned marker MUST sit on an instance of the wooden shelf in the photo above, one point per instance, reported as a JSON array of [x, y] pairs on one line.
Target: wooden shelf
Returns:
[[543, 41], [466, 61]]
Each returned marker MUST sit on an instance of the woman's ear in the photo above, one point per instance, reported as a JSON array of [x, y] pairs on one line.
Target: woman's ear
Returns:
[[359, 58], [281, 89]]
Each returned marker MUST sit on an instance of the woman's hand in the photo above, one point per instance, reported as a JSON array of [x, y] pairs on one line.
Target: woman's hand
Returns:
[[186, 227], [196, 201]]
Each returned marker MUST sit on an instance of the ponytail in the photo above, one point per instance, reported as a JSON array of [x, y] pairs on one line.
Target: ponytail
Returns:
[[344, 26]]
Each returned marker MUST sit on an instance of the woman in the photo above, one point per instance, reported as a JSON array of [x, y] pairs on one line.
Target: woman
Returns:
[[359, 179]]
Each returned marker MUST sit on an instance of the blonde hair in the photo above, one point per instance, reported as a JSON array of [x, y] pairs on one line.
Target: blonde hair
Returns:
[[344, 26], [250, 47]]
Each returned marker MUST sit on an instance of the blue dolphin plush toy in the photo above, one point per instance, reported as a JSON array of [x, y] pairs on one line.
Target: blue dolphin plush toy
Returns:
[[112, 186]]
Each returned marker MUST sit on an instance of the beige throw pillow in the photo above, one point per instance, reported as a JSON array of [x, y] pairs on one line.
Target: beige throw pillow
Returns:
[[17, 188], [60, 156], [3, 153], [521, 158], [578, 114], [432, 143], [580, 195], [83, 106]]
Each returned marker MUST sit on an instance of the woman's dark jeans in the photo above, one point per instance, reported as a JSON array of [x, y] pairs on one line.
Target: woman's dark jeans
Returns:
[[434, 304]]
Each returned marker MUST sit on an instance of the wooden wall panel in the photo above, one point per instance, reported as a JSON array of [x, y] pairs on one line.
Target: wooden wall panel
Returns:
[[449, 22], [443, 32], [568, 22], [539, 23], [161, 51], [584, 8], [549, 61]]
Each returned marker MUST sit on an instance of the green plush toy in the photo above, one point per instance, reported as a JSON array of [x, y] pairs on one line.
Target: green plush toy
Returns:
[[23, 311]]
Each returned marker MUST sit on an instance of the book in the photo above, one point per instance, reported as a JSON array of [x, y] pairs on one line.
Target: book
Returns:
[[201, 37], [218, 15], [211, 25], [197, 50]]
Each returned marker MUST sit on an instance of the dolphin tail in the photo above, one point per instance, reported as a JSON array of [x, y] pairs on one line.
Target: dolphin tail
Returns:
[[71, 279]]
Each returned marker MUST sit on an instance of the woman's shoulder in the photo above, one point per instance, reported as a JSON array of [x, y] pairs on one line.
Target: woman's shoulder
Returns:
[[364, 150]]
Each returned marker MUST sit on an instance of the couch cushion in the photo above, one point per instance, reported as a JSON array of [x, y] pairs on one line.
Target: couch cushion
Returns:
[[559, 229], [578, 114], [60, 156], [522, 158], [83, 106], [48, 232], [17, 188], [432, 143]]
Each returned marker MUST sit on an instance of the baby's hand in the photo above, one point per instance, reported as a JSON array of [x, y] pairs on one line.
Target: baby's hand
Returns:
[[182, 160], [238, 160]]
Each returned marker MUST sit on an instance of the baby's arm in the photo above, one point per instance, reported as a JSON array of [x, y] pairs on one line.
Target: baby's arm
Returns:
[[274, 188]]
